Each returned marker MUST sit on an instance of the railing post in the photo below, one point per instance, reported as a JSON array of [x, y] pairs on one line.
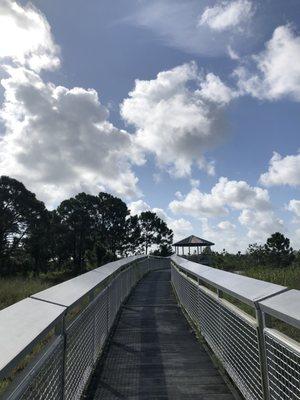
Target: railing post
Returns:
[[60, 329], [261, 324], [107, 308]]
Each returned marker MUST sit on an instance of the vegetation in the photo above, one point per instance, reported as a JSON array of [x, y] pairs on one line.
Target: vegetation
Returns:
[[16, 289], [39, 247], [275, 261]]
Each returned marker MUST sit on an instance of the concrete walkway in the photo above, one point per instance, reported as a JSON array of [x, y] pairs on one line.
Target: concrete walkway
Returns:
[[154, 354]]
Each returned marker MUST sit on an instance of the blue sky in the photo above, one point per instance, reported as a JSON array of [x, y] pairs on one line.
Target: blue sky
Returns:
[[218, 93]]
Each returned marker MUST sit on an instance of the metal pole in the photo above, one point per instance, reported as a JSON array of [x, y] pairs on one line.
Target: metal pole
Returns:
[[260, 317]]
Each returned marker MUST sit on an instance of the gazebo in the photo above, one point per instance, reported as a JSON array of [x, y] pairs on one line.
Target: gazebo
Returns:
[[194, 242]]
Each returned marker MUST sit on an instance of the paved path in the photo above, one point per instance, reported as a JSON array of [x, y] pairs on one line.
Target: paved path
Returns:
[[154, 353]]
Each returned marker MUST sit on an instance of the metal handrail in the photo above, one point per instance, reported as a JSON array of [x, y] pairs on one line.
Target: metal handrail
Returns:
[[264, 364], [246, 289], [271, 359], [24, 324]]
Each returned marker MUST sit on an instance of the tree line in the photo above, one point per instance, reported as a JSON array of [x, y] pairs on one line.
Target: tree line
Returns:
[[83, 232], [275, 253]]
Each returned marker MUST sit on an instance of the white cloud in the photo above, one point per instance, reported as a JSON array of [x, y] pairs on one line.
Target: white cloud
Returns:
[[26, 36], [295, 238], [282, 171], [224, 195], [137, 207], [227, 15], [198, 204], [260, 224], [232, 53], [224, 235], [58, 141], [276, 71], [194, 182], [213, 89], [176, 24], [180, 227], [179, 195], [294, 207], [226, 226], [176, 122]]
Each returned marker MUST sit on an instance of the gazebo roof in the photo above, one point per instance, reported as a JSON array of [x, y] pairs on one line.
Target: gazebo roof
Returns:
[[193, 241]]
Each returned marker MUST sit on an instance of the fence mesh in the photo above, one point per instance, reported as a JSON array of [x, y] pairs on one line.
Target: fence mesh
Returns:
[[44, 380], [283, 362], [232, 337], [65, 369], [79, 353]]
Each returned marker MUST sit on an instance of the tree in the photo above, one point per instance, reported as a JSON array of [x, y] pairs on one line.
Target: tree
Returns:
[[20, 214], [133, 236], [37, 242], [96, 225], [278, 250], [79, 215], [154, 231], [112, 214], [256, 254]]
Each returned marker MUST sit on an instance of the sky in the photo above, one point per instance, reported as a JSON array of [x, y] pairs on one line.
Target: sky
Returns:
[[188, 108]]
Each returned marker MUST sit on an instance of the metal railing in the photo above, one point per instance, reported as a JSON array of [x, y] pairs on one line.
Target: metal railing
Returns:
[[50, 342], [262, 362]]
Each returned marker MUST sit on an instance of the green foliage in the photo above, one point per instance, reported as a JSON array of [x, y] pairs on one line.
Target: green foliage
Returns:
[[275, 253], [278, 250], [153, 231], [164, 250], [84, 232], [23, 222]]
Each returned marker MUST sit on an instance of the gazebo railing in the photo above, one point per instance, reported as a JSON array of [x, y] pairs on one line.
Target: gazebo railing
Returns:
[[262, 362], [51, 341]]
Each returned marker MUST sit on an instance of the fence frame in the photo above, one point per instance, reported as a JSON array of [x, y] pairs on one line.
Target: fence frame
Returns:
[[265, 298], [28, 322]]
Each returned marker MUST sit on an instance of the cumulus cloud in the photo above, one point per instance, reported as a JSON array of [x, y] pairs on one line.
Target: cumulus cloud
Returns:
[[260, 224], [256, 213], [224, 195], [294, 207], [180, 227], [276, 70], [59, 141], [282, 171], [178, 117], [227, 15], [139, 206], [224, 235], [213, 89], [26, 36]]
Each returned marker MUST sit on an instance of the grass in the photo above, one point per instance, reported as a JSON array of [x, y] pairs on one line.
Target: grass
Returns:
[[289, 276], [13, 289], [16, 289]]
